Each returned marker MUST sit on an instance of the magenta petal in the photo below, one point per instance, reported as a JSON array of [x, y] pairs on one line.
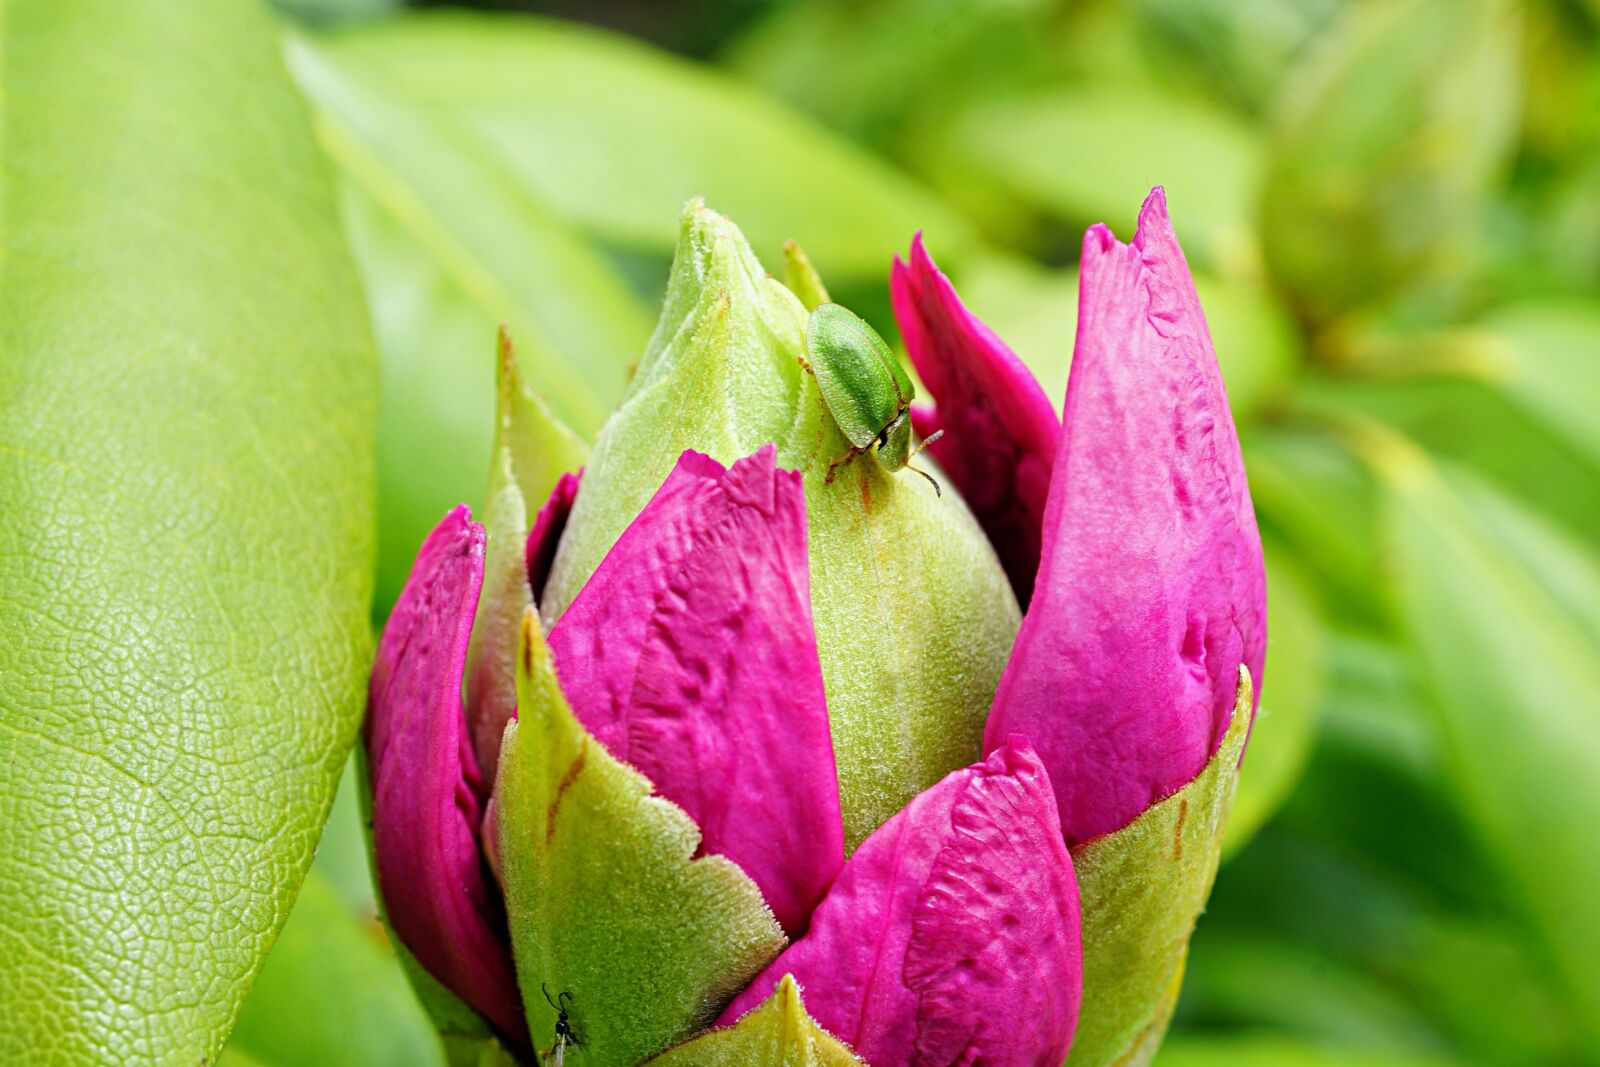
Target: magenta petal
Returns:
[[425, 810], [1151, 591], [952, 934], [548, 526], [1000, 430], [690, 654]]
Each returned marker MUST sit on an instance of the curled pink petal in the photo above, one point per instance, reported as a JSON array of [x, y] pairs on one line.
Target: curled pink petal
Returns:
[[425, 809], [952, 934], [548, 526], [1000, 431], [690, 654], [1151, 590]]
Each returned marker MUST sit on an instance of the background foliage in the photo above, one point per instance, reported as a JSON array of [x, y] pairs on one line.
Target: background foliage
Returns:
[[1393, 210]]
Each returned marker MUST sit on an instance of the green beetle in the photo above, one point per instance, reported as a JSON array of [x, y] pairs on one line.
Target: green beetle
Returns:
[[866, 390]]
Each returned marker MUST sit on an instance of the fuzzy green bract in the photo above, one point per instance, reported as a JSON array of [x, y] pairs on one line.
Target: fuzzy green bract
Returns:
[[777, 1034], [187, 395], [1141, 888], [606, 900], [914, 616]]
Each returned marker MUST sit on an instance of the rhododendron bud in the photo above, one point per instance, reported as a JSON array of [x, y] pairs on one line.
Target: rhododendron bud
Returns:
[[682, 759]]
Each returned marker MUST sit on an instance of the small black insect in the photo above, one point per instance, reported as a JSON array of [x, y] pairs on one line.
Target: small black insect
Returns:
[[555, 1055]]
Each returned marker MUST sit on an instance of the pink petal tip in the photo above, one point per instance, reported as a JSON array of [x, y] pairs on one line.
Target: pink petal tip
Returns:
[[1151, 589]]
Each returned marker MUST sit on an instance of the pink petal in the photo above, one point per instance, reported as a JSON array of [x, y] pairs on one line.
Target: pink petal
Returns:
[[1000, 430], [952, 934], [1151, 591], [425, 809], [548, 526], [690, 654]]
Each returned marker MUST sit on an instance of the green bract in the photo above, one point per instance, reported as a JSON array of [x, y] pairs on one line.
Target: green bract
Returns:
[[1141, 889], [607, 900], [777, 1034], [914, 616]]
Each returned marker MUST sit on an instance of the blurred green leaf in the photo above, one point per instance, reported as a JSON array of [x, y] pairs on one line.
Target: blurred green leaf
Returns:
[[1090, 155], [1325, 927], [450, 245], [1286, 720], [186, 412], [866, 68], [1242, 47], [1518, 683], [1546, 357], [1261, 1050], [613, 137], [1472, 421], [1270, 981], [332, 995], [342, 854], [328, 12], [1565, 569], [1387, 136]]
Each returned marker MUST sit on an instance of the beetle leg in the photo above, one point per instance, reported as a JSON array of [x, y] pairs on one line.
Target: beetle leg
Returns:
[[843, 461]]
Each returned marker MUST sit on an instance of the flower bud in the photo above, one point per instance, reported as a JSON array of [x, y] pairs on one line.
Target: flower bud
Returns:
[[914, 616]]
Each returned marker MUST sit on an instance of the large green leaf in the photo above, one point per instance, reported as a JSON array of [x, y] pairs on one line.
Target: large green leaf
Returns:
[[1517, 678], [332, 995], [186, 420], [613, 136], [450, 245], [1141, 888], [608, 902]]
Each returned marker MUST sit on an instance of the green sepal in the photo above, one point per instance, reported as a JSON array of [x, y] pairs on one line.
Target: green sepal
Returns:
[[802, 278], [532, 450], [777, 1034], [606, 900], [1141, 889], [914, 616]]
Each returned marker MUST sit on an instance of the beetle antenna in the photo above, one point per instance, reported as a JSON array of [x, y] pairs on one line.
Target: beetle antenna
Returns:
[[924, 443]]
